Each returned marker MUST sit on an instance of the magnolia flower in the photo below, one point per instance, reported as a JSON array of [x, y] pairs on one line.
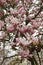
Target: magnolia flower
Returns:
[[35, 40], [8, 19], [25, 54], [22, 11], [2, 2], [30, 28], [23, 42], [19, 6], [23, 29], [14, 12], [1, 24], [10, 28], [15, 21], [2, 35], [36, 24]]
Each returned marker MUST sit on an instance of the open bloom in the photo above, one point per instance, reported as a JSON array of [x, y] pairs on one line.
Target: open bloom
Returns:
[[14, 12], [15, 21], [22, 11], [2, 2], [35, 40], [10, 28], [36, 24], [23, 42]]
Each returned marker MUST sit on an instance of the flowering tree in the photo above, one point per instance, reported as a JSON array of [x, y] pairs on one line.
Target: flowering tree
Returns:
[[21, 25]]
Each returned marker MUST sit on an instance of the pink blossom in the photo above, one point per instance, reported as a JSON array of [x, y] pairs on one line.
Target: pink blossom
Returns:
[[25, 54], [10, 28], [22, 11], [23, 29], [23, 42], [2, 2], [1, 24], [22, 19], [35, 40], [22, 8], [15, 21], [36, 24], [2, 35], [14, 12], [30, 29]]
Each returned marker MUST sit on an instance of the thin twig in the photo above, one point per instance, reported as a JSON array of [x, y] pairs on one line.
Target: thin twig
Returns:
[[38, 57], [41, 7]]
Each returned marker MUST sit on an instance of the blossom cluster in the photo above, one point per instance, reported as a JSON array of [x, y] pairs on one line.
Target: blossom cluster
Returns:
[[18, 26]]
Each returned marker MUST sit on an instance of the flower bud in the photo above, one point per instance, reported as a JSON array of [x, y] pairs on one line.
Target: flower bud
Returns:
[[1, 24], [2, 35]]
